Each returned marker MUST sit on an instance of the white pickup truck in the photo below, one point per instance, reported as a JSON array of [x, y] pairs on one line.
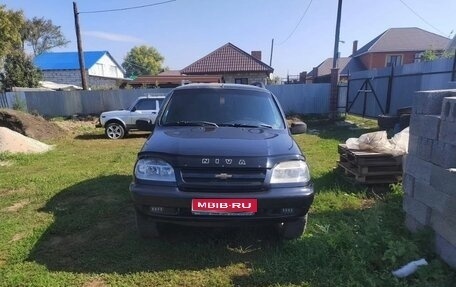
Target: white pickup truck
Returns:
[[118, 123]]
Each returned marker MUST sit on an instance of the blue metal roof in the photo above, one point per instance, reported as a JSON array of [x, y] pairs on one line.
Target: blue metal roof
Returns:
[[67, 60]]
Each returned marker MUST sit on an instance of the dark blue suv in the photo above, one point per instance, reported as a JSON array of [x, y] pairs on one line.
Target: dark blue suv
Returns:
[[221, 155]]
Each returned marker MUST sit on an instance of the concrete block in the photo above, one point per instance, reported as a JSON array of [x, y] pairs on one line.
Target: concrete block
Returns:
[[443, 180], [420, 147], [418, 168], [446, 250], [417, 209], [412, 224], [444, 154], [426, 126], [447, 132], [430, 102], [437, 200], [449, 109], [443, 226], [408, 184]]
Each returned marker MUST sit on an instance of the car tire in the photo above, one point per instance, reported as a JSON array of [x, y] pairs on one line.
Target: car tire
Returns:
[[147, 228], [115, 131], [292, 229]]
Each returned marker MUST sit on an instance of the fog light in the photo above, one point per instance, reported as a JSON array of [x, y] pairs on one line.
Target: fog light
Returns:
[[156, 209], [163, 210], [287, 211]]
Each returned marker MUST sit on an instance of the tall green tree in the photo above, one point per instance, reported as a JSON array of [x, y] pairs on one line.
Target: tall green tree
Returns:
[[143, 60], [19, 71], [42, 35], [11, 25]]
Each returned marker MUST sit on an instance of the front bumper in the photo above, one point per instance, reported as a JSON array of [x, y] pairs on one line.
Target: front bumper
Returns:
[[274, 205]]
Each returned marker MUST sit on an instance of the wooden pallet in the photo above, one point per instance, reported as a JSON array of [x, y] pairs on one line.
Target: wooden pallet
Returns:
[[368, 158], [353, 176], [369, 167]]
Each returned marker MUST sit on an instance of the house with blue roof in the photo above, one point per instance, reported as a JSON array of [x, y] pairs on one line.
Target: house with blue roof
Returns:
[[63, 67]]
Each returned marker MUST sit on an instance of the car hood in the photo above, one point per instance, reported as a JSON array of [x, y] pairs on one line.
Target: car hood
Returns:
[[116, 113], [220, 141]]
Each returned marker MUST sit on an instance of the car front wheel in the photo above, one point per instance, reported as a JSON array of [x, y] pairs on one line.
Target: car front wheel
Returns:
[[115, 131], [293, 229]]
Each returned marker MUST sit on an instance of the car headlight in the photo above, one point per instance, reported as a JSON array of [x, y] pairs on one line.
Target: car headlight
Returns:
[[290, 172], [154, 169]]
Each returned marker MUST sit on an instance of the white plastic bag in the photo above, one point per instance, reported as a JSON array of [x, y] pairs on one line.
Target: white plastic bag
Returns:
[[379, 142]]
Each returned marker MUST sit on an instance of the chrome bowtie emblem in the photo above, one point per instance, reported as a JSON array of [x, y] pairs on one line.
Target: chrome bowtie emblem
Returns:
[[223, 176]]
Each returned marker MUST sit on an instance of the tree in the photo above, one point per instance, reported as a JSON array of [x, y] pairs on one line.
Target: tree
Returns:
[[11, 25], [19, 71], [143, 60], [42, 35]]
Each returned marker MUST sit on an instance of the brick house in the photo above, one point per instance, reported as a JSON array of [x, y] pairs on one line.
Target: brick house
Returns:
[[394, 47], [63, 68], [399, 46], [233, 64]]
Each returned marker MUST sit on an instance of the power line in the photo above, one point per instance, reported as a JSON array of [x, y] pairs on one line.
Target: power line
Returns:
[[297, 25], [422, 19], [126, 8]]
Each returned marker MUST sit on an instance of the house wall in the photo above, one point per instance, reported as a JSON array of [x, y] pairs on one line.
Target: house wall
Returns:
[[252, 77], [106, 67], [378, 60], [430, 170], [73, 77]]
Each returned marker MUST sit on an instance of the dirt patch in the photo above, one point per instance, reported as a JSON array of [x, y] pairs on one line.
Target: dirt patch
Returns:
[[18, 237], [95, 283], [31, 126], [5, 192], [17, 206], [5, 163]]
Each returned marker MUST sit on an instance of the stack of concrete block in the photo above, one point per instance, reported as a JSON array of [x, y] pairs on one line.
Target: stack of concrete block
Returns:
[[429, 179]]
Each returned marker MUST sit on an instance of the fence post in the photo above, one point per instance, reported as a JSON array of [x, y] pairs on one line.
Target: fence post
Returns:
[[390, 90], [334, 93]]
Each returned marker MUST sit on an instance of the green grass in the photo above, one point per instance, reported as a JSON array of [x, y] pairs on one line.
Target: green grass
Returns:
[[66, 219]]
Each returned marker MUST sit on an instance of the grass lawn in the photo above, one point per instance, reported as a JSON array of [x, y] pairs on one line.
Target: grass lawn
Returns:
[[66, 219]]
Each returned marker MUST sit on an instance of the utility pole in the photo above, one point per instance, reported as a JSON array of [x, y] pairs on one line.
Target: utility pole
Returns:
[[334, 98], [80, 51], [272, 49], [336, 40]]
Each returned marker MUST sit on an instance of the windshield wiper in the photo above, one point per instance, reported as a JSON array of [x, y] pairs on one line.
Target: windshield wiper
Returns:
[[240, 125], [191, 123]]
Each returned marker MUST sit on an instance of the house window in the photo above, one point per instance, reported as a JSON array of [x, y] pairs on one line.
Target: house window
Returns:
[[100, 69], [244, 81], [418, 57], [113, 71], [393, 60]]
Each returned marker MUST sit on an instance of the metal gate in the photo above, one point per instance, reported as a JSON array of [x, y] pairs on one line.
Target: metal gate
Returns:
[[367, 97]]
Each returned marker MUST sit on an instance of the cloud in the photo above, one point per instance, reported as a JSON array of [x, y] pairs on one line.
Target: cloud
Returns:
[[113, 37]]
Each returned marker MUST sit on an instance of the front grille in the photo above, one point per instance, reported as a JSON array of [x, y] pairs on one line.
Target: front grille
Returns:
[[217, 180]]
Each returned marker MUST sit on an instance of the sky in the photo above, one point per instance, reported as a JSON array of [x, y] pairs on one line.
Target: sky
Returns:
[[184, 31]]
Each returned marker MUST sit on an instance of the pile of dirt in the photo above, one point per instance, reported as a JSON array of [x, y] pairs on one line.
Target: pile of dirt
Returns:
[[14, 142], [31, 126]]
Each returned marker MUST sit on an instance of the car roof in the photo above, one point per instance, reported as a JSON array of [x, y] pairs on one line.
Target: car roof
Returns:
[[220, 86], [152, 97]]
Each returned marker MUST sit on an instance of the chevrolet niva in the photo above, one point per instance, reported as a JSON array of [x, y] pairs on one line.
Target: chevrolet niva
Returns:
[[221, 155]]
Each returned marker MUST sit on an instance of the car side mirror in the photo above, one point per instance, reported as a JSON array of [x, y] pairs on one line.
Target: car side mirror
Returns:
[[298, 128], [144, 125], [133, 109]]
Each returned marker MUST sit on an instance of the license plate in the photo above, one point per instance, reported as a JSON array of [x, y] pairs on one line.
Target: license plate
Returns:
[[211, 206]]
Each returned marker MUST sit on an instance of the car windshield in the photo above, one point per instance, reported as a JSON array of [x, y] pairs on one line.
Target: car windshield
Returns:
[[222, 107]]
